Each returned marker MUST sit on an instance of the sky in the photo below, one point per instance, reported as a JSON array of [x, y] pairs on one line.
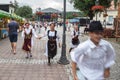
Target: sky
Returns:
[[56, 4]]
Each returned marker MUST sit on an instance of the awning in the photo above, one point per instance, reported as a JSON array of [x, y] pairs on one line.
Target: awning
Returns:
[[73, 20], [4, 14], [16, 17]]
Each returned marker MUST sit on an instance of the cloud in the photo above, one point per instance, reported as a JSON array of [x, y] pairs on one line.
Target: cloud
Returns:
[[57, 4]]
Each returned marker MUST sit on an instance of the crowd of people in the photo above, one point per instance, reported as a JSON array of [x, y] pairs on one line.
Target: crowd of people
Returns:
[[29, 31], [94, 57]]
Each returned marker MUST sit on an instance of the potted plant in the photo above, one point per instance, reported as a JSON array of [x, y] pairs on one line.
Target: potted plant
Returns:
[[97, 8]]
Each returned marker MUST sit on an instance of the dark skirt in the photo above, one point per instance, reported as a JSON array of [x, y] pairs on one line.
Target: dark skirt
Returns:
[[52, 48], [27, 45], [75, 41]]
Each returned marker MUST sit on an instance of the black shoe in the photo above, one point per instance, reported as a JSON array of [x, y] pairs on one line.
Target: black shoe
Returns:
[[14, 53], [27, 57], [77, 68], [30, 55]]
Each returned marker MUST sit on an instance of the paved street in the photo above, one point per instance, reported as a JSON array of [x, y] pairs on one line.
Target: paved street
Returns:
[[16, 67], [115, 70]]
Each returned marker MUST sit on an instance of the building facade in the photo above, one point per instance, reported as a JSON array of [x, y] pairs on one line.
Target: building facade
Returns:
[[8, 8], [48, 14], [112, 13]]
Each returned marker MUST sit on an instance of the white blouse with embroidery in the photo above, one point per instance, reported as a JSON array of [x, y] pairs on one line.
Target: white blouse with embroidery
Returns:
[[51, 33], [28, 32]]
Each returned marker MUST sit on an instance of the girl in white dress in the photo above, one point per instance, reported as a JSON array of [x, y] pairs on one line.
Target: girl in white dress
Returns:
[[28, 34], [53, 38]]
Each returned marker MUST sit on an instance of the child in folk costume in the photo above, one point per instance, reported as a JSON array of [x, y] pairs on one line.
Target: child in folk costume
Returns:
[[51, 47], [95, 56], [28, 34], [75, 40]]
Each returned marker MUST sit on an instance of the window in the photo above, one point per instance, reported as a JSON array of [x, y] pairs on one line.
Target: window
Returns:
[[11, 11], [110, 19]]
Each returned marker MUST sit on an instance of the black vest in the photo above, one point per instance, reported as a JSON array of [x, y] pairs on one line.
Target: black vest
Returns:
[[52, 37]]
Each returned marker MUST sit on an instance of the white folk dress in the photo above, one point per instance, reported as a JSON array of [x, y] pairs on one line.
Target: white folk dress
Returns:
[[93, 60], [51, 33]]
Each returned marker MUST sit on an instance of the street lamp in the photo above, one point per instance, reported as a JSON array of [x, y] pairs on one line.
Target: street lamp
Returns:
[[39, 9], [63, 59], [96, 3]]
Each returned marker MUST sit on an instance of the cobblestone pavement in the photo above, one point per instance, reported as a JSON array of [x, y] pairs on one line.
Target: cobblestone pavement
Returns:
[[16, 67], [115, 70]]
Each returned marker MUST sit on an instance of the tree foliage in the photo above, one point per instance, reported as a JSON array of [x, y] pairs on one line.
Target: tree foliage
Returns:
[[70, 15], [16, 5], [115, 2], [24, 11], [86, 5]]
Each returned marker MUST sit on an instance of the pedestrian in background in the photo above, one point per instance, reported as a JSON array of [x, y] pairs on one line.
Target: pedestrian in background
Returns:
[[86, 29], [75, 38], [69, 26], [95, 56], [13, 26]]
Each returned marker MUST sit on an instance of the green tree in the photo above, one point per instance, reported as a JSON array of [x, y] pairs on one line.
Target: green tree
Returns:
[[24, 11], [115, 2], [70, 15], [86, 5], [16, 5]]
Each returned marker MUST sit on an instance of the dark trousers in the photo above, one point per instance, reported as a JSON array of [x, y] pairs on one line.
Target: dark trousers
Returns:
[[70, 50], [48, 59]]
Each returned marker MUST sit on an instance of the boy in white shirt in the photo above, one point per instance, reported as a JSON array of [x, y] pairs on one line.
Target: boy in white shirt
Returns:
[[95, 56]]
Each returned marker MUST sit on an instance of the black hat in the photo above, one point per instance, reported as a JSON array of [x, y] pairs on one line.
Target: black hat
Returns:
[[95, 26]]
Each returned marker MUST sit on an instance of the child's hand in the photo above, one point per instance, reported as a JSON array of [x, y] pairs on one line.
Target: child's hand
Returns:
[[39, 37], [106, 73]]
